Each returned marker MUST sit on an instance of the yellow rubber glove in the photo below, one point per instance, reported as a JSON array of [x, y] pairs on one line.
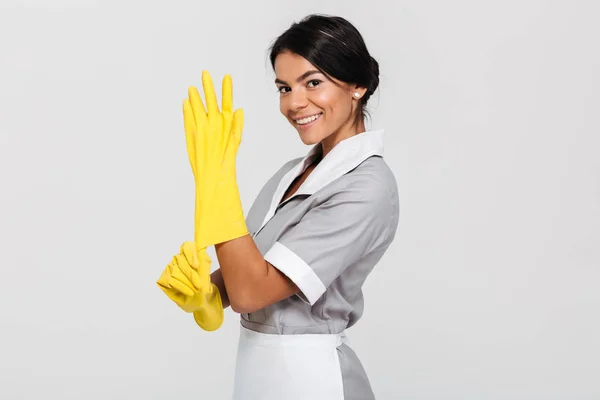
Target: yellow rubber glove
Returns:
[[213, 138], [186, 281]]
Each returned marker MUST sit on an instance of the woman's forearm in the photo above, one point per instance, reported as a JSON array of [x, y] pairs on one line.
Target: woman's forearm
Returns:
[[241, 265], [251, 282]]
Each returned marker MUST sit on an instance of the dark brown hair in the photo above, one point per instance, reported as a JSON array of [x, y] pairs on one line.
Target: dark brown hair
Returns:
[[336, 48]]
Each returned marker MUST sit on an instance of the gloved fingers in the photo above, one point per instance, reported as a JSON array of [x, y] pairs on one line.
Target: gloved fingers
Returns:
[[227, 132], [174, 295], [180, 287], [198, 110], [237, 127], [164, 283], [204, 264], [194, 280], [190, 131], [197, 281], [227, 95], [209, 95], [163, 280], [182, 271], [199, 261], [188, 250], [166, 275], [227, 111], [203, 257]]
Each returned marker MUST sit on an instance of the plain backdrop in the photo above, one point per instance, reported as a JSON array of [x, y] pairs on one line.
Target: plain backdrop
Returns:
[[491, 289]]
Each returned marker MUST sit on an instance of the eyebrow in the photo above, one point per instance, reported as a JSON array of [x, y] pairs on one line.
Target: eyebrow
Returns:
[[301, 77]]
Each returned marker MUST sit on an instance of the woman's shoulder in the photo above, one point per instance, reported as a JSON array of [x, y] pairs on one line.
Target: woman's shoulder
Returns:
[[376, 166], [373, 175], [370, 188]]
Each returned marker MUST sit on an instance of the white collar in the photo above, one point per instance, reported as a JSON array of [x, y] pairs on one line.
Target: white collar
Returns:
[[344, 157]]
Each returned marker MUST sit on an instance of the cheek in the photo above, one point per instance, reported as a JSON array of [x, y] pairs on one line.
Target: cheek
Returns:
[[325, 100], [283, 107], [334, 102]]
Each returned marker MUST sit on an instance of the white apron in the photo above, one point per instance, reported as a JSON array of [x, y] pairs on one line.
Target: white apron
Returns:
[[288, 367]]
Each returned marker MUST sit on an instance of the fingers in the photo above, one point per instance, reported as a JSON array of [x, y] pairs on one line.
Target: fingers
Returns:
[[189, 124], [164, 283], [174, 295], [199, 116], [188, 249], [195, 264], [209, 95], [199, 112], [182, 271], [227, 111], [181, 287], [227, 95], [237, 126], [183, 281], [178, 276], [163, 280], [199, 134], [200, 261]]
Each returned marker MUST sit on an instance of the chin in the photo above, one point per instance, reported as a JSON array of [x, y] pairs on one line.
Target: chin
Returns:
[[312, 135], [309, 138]]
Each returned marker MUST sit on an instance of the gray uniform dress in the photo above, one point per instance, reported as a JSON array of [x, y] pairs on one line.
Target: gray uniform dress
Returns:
[[326, 238]]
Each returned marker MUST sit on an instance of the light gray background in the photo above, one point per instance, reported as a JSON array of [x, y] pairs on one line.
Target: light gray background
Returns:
[[491, 289]]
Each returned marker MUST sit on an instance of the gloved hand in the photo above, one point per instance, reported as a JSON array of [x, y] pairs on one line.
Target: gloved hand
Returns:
[[186, 281], [213, 139]]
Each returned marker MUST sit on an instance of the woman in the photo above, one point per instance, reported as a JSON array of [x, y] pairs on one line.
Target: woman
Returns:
[[314, 233]]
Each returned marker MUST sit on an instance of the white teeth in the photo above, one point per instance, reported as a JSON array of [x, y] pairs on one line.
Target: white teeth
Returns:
[[306, 120]]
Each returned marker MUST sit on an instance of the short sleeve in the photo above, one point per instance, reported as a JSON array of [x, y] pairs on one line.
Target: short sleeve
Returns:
[[334, 235]]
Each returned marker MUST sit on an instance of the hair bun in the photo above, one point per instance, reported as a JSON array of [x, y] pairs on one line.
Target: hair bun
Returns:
[[374, 81]]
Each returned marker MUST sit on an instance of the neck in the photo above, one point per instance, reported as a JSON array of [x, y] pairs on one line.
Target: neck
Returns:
[[346, 131]]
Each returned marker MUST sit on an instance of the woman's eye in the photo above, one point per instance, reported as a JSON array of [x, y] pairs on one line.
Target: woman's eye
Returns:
[[314, 83], [283, 89]]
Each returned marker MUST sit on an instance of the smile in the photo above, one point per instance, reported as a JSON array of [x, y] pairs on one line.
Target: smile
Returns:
[[308, 120]]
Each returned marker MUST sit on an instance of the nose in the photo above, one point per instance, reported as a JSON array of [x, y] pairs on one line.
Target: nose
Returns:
[[298, 100]]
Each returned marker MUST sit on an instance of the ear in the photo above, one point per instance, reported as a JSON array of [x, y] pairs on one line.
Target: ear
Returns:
[[357, 92]]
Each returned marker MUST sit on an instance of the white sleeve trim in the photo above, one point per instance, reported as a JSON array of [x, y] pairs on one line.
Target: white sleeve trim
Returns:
[[297, 270]]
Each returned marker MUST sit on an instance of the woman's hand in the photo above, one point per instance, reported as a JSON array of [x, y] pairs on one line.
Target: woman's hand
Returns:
[[186, 281], [213, 138]]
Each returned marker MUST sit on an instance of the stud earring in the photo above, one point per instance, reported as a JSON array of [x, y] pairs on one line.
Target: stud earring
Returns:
[[357, 95]]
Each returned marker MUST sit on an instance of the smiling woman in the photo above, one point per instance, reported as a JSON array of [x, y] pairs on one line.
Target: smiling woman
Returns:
[[321, 222], [295, 270], [325, 76]]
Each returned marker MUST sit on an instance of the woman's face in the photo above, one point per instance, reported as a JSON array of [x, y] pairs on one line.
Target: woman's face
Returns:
[[319, 107]]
